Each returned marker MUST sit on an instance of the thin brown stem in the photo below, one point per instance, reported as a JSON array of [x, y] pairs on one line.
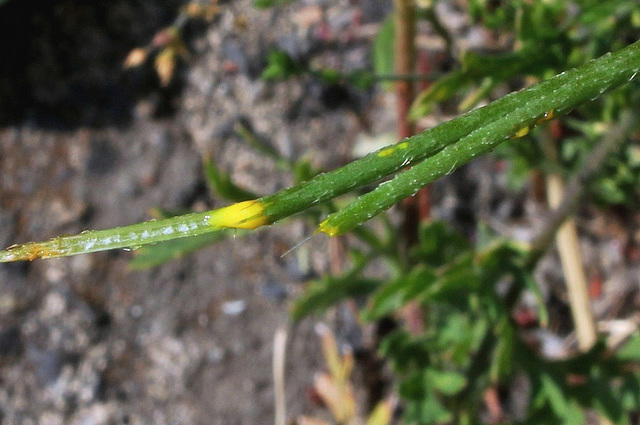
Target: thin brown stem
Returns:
[[404, 24]]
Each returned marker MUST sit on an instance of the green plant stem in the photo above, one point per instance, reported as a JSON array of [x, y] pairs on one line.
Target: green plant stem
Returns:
[[555, 96], [430, 15], [450, 145], [510, 114], [432, 76], [129, 237], [383, 162]]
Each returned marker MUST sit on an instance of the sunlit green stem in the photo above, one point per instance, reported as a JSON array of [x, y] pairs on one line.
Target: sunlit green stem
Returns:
[[128, 237], [553, 97], [557, 95], [450, 145], [242, 215]]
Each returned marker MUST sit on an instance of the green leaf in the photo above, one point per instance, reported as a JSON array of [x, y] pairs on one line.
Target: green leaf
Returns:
[[604, 400], [574, 414], [330, 75], [405, 351], [592, 15], [303, 171], [542, 416], [633, 156], [387, 300], [460, 334], [439, 244], [453, 283], [554, 395], [440, 90], [630, 392], [525, 278], [448, 383], [384, 52], [266, 4], [630, 351], [280, 66], [324, 293], [502, 363], [220, 183], [413, 387], [397, 293], [454, 330], [492, 14], [430, 411], [472, 99], [486, 72], [261, 144], [361, 79], [422, 404], [608, 191]]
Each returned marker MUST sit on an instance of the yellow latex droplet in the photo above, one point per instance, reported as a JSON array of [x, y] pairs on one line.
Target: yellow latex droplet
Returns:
[[548, 116], [325, 228], [386, 151], [521, 133], [391, 149], [243, 215]]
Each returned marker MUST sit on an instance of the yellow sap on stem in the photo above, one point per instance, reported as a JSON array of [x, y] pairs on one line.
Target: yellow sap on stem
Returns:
[[243, 215], [327, 229]]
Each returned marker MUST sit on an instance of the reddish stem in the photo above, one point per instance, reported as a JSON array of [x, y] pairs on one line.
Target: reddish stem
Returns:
[[404, 63]]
